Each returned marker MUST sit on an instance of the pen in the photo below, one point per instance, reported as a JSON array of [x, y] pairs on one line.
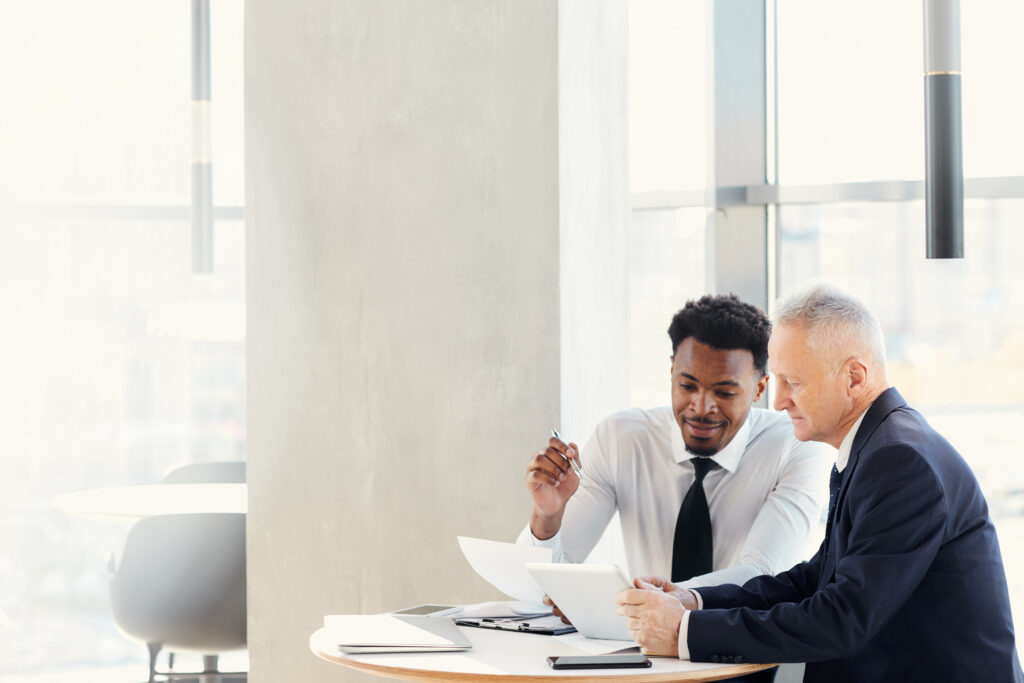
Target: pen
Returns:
[[572, 463]]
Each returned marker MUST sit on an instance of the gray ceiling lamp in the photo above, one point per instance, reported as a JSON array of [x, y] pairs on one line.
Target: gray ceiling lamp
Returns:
[[944, 159], [202, 168]]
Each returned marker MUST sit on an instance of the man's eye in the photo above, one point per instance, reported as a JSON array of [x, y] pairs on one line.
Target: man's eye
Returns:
[[688, 387], [724, 394]]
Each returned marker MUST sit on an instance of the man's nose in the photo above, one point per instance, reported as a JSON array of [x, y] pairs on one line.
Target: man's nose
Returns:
[[704, 402], [782, 400]]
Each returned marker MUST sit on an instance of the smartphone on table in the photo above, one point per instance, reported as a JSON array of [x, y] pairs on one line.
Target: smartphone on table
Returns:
[[631, 661]]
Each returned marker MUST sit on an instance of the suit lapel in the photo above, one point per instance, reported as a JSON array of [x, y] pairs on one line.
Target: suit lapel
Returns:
[[887, 402]]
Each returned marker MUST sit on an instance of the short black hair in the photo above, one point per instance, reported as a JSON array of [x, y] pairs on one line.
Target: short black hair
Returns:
[[724, 322]]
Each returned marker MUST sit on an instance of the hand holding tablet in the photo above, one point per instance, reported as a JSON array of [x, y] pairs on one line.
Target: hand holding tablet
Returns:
[[585, 594]]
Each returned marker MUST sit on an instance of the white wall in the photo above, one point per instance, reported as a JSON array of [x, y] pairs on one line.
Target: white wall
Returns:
[[410, 203]]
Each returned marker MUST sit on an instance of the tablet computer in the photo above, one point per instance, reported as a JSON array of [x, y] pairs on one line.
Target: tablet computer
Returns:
[[586, 595]]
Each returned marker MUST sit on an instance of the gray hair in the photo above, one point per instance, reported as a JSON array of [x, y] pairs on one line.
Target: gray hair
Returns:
[[835, 323]]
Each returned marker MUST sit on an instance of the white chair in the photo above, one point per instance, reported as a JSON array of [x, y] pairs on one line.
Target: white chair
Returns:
[[180, 585]]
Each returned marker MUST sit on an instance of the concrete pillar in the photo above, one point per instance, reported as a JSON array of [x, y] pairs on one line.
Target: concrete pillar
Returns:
[[436, 207]]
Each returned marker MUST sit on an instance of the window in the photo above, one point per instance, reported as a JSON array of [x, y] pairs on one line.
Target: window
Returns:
[[667, 140], [666, 270], [845, 110], [118, 362], [666, 95], [851, 91], [851, 109]]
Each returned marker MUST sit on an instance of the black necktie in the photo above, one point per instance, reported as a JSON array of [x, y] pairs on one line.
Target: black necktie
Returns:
[[691, 550], [833, 495]]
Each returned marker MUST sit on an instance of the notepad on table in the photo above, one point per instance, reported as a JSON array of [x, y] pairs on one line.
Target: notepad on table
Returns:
[[375, 633]]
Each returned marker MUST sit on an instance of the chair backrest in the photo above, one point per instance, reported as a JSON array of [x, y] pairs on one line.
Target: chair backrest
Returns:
[[181, 582], [223, 472]]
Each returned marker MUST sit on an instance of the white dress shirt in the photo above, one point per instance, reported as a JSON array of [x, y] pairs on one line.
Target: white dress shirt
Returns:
[[764, 499], [842, 458]]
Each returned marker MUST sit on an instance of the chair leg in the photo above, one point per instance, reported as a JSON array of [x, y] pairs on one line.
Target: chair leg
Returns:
[[210, 663], [154, 650]]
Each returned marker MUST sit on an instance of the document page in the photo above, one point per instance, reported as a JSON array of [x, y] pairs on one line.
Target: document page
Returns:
[[502, 608], [595, 646], [503, 565]]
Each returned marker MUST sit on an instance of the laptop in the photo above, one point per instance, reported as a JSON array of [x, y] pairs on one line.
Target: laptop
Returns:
[[379, 633]]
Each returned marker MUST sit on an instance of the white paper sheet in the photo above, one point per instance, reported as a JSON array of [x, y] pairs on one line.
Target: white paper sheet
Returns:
[[503, 566], [595, 646], [501, 608]]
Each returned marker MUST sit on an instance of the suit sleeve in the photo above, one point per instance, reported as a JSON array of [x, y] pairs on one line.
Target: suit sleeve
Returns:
[[894, 524], [762, 592]]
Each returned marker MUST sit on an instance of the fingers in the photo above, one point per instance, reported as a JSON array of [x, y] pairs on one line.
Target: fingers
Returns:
[[554, 609], [643, 585], [548, 467], [655, 583], [575, 453], [629, 611], [634, 596], [658, 581], [654, 623], [565, 449], [567, 452]]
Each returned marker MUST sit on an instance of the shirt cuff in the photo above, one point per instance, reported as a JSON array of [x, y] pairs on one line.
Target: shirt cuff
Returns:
[[553, 542], [684, 630], [526, 537], [684, 627]]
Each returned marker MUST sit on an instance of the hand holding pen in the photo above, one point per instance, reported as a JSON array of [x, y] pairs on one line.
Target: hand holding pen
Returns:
[[571, 461], [552, 477]]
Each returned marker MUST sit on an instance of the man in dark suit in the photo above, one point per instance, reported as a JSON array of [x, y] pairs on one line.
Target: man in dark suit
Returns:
[[908, 584]]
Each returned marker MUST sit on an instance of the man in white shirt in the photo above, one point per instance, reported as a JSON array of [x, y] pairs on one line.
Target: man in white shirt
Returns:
[[762, 488]]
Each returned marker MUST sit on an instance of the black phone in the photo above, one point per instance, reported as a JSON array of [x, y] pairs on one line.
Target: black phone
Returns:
[[633, 661]]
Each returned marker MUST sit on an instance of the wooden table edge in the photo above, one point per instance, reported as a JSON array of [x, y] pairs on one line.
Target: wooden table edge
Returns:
[[404, 674]]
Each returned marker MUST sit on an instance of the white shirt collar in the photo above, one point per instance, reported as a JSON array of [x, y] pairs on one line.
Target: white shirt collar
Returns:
[[728, 458], [846, 446]]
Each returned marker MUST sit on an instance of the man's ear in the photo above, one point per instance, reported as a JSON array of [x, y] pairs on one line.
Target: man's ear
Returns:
[[760, 387], [856, 372]]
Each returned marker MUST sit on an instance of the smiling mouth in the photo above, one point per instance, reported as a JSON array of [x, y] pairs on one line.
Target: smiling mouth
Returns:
[[703, 430]]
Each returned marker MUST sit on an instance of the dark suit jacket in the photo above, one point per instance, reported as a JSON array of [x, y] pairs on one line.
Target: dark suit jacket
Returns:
[[911, 588]]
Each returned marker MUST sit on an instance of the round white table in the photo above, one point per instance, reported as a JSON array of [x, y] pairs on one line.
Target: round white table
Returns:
[[135, 502], [506, 656]]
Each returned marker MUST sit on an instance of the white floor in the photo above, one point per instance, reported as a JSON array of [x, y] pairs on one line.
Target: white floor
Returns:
[[131, 674], [135, 673]]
